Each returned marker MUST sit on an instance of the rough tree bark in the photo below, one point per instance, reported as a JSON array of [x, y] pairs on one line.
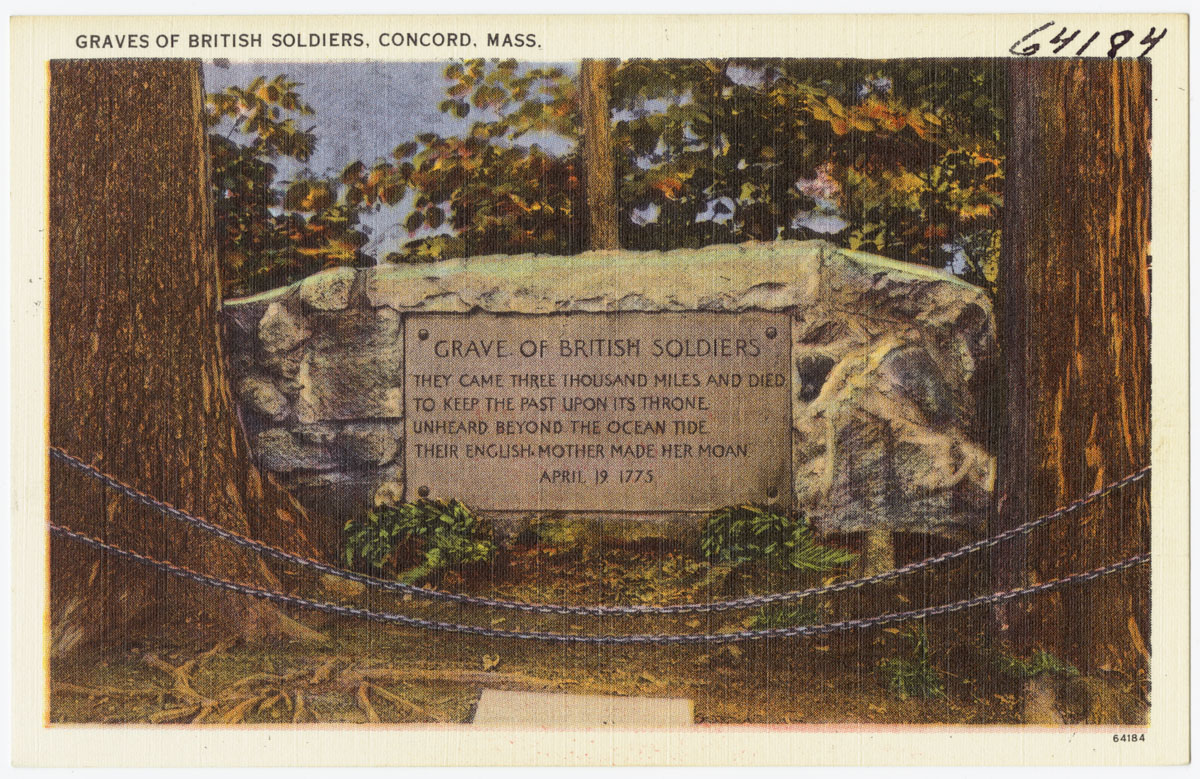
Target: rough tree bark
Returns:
[[136, 375], [1075, 317], [599, 167]]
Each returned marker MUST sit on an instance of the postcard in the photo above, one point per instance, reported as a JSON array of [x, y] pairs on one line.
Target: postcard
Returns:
[[674, 390]]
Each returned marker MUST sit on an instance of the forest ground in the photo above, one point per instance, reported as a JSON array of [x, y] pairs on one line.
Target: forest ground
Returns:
[[370, 672]]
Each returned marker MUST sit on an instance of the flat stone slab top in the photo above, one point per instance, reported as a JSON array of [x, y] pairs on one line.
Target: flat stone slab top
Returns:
[[763, 276], [508, 709]]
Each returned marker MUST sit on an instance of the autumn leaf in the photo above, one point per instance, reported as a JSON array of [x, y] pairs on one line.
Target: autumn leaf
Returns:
[[669, 187]]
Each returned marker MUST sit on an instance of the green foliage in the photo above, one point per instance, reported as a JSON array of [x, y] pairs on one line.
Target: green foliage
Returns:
[[913, 676], [496, 199], [908, 153], [427, 535], [735, 535], [485, 192], [257, 112], [268, 235], [786, 616], [903, 158], [1039, 663]]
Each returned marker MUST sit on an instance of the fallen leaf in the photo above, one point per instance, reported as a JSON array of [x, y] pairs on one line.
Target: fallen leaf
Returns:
[[490, 662]]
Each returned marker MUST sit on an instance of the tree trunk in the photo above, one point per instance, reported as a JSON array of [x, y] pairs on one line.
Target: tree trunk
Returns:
[[599, 167], [1075, 318], [136, 374]]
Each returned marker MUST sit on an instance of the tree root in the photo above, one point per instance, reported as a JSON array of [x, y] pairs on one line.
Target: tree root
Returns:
[[265, 621], [406, 703], [174, 714], [183, 683], [204, 712], [325, 672], [287, 697], [238, 713], [364, 703]]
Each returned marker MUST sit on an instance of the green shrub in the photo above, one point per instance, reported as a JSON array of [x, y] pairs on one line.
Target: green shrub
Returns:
[[745, 534], [427, 535], [913, 676], [1039, 663], [785, 616]]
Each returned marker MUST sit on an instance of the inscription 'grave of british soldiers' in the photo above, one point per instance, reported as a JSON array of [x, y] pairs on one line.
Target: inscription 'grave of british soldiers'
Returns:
[[630, 412]]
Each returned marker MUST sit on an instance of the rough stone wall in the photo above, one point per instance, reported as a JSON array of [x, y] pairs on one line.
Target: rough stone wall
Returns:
[[886, 410], [887, 361]]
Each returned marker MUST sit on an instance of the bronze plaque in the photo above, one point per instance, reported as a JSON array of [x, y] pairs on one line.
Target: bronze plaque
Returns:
[[633, 412]]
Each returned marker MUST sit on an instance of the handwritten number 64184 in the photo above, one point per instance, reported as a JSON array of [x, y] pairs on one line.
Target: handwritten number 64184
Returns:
[[1029, 44]]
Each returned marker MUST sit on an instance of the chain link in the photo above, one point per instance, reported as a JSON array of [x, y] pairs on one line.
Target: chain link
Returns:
[[564, 638], [751, 601]]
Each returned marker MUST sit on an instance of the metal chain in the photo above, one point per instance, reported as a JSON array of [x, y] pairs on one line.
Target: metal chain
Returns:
[[751, 601], [633, 638]]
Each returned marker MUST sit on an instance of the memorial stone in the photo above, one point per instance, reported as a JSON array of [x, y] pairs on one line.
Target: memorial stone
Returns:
[[679, 412], [651, 388]]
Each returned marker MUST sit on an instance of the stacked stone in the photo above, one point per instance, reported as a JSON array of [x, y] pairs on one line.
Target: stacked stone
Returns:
[[319, 384]]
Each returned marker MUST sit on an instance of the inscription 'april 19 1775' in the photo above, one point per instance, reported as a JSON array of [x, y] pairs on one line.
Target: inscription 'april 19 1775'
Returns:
[[599, 412]]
